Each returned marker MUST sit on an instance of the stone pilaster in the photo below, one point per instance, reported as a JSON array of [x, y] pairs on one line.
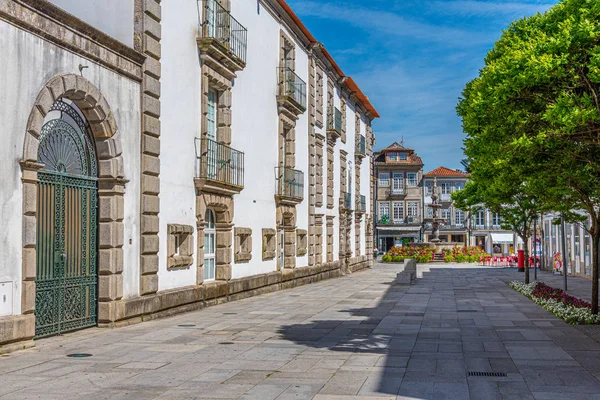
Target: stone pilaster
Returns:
[[147, 38], [29, 257], [319, 170], [312, 159], [330, 233], [330, 177]]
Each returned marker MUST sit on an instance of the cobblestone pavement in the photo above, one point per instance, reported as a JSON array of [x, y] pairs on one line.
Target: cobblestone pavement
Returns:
[[354, 337]]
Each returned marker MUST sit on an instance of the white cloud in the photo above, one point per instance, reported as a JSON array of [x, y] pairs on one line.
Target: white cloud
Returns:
[[388, 23], [473, 8]]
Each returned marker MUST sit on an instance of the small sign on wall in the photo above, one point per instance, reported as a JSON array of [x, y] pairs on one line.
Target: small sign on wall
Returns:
[[6, 299]]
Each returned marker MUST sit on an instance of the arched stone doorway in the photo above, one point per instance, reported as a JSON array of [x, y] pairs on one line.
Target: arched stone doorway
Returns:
[[101, 164]]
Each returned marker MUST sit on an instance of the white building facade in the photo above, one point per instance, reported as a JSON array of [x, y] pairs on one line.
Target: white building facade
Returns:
[[174, 156]]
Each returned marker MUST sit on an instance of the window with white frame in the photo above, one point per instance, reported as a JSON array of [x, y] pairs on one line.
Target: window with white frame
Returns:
[[413, 209], [398, 182], [402, 156], [429, 212], [393, 156], [209, 245], [398, 211], [384, 210], [411, 179], [446, 213], [496, 219], [430, 188], [445, 188], [480, 218], [459, 217], [459, 186], [384, 179]]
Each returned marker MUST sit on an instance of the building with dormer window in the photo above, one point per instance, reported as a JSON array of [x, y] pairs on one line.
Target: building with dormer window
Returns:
[[398, 196]]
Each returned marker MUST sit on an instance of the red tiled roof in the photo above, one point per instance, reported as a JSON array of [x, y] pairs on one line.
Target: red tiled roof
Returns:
[[364, 100], [443, 171]]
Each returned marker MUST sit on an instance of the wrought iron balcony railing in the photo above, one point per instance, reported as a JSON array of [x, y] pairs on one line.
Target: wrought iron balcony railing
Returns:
[[395, 191], [400, 221], [363, 203], [347, 200], [447, 226], [361, 148], [218, 23], [220, 163], [481, 227], [289, 184], [292, 86], [334, 121]]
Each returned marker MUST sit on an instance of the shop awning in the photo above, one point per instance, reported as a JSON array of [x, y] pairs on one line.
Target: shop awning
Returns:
[[502, 238]]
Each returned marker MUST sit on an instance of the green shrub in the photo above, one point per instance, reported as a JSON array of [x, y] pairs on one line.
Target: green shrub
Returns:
[[473, 259], [449, 258], [460, 258], [397, 259], [386, 258]]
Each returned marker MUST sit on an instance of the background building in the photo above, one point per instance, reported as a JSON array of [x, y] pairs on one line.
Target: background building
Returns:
[[399, 196], [578, 244], [164, 156], [448, 181]]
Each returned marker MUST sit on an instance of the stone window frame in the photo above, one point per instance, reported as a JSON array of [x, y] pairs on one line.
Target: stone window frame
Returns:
[[319, 96], [343, 107], [184, 236], [286, 43], [213, 80], [301, 242], [269, 243], [242, 244]]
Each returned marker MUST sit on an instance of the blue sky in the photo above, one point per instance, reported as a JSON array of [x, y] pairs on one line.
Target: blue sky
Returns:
[[413, 58]]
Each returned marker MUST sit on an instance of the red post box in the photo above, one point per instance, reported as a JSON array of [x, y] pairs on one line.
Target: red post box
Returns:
[[521, 255]]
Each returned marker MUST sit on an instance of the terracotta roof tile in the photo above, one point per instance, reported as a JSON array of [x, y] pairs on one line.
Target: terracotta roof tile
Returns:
[[443, 171]]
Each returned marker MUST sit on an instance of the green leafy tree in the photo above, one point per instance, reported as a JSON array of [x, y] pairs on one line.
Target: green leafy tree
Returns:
[[534, 110]]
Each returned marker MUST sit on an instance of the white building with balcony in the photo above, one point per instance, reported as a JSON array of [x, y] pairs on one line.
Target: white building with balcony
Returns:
[[164, 156]]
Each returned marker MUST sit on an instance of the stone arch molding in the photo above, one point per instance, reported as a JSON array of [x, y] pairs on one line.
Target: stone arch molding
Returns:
[[111, 189]]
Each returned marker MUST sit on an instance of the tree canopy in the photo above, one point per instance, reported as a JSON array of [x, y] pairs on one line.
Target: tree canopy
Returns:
[[532, 120]]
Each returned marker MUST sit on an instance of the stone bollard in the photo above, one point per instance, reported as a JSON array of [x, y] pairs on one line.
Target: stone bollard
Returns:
[[409, 273]]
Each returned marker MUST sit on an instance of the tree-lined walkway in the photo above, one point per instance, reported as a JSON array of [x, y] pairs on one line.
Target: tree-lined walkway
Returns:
[[354, 336]]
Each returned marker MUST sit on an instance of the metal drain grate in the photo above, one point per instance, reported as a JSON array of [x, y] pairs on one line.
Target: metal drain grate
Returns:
[[481, 373], [79, 355]]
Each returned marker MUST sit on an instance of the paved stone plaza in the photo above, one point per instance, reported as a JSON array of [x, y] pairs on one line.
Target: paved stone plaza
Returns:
[[352, 337]]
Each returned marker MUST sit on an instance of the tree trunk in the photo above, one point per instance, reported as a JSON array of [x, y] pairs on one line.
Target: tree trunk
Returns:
[[595, 258], [526, 251]]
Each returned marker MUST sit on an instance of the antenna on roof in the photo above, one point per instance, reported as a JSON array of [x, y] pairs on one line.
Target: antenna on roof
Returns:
[[402, 141]]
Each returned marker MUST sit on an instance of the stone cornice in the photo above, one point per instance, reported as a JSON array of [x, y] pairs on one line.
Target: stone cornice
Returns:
[[44, 19]]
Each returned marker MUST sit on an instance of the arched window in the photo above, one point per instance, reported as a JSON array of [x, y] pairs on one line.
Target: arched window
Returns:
[[209, 245]]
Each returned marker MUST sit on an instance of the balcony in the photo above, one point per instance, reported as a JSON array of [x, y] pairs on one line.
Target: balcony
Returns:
[[445, 197], [477, 227], [362, 204], [223, 41], [292, 92], [361, 148], [220, 168], [400, 221], [347, 198], [334, 123], [396, 191], [289, 186]]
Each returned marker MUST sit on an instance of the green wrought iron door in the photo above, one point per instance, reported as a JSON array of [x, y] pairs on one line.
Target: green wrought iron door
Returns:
[[66, 279]]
